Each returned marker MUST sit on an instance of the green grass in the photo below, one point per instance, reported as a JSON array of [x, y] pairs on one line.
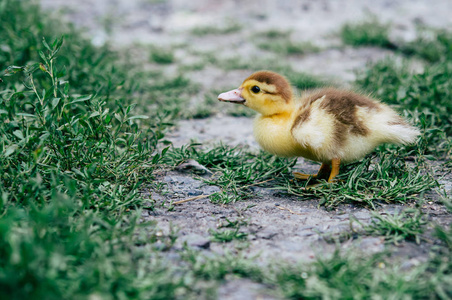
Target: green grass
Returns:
[[55, 136], [383, 178], [59, 251], [431, 45], [424, 96], [231, 27], [204, 108], [341, 275], [359, 276], [227, 235], [229, 231], [74, 152], [366, 33], [406, 225], [281, 43], [82, 129], [220, 267], [224, 197], [234, 168], [162, 55], [288, 47]]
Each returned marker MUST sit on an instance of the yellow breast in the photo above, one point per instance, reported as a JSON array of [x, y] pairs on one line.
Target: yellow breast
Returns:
[[273, 133]]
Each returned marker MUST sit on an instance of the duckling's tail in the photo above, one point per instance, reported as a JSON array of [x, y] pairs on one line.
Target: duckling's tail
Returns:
[[401, 133]]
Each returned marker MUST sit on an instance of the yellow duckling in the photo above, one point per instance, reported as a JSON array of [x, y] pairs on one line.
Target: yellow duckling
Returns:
[[328, 125]]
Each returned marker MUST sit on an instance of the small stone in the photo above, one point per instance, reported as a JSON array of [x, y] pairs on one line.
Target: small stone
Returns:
[[267, 234], [194, 166], [195, 240], [202, 242], [194, 193]]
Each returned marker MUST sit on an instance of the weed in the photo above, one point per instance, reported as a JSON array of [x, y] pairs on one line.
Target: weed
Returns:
[[304, 81], [231, 27], [73, 156], [389, 179], [195, 66], [431, 45], [69, 136], [367, 33], [221, 266], [170, 96], [350, 276], [406, 225], [288, 47], [281, 43], [205, 108], [275, 33], [161, 55], [223, 198], [53, 250], [445, 235], [227, 235], [235, 168], [426, 96], [232, 224]]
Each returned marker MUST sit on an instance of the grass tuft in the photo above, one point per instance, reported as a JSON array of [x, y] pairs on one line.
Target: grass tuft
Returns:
[[161, 55], [234, 168], [231, 27], [288, 47], [227, 235], [405, 225], [281, 43], [367, 33], [432, 45], [74, 152], [425, 96], [384, 178]]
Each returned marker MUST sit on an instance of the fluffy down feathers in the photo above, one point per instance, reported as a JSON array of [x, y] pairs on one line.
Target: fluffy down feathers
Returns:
[[322, 125]]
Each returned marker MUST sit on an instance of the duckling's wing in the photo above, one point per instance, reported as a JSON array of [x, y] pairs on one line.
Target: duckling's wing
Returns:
[[343, 124], [314, 129]]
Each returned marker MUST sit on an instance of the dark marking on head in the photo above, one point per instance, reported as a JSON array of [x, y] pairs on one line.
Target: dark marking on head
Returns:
[[343, 106], [283, 87]]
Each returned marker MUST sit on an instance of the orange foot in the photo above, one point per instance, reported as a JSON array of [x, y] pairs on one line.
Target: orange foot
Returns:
[[325, 171]]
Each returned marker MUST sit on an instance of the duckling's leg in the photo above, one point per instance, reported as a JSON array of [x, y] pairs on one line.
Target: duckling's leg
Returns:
[[335, 163], [322, 173]]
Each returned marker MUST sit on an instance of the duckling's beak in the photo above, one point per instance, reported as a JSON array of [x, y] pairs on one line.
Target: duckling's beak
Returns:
[[234, 96]]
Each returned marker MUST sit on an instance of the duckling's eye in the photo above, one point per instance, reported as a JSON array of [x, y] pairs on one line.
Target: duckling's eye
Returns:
[[255, 89]]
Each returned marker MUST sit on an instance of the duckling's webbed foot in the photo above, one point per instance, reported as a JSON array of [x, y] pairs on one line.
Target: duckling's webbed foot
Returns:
[[324, 173], [302, 176]]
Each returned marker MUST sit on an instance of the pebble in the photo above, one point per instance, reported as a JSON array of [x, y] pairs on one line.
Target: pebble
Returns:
[[194, 193], [195, 240]]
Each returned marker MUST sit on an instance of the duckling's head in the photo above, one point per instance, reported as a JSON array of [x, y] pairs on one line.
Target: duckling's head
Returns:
[[265, 92]]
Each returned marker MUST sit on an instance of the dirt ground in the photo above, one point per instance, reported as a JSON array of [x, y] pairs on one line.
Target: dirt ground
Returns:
[[278, 227]]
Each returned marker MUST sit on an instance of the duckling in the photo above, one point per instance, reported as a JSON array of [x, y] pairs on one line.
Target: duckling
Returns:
[[328, 125]]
